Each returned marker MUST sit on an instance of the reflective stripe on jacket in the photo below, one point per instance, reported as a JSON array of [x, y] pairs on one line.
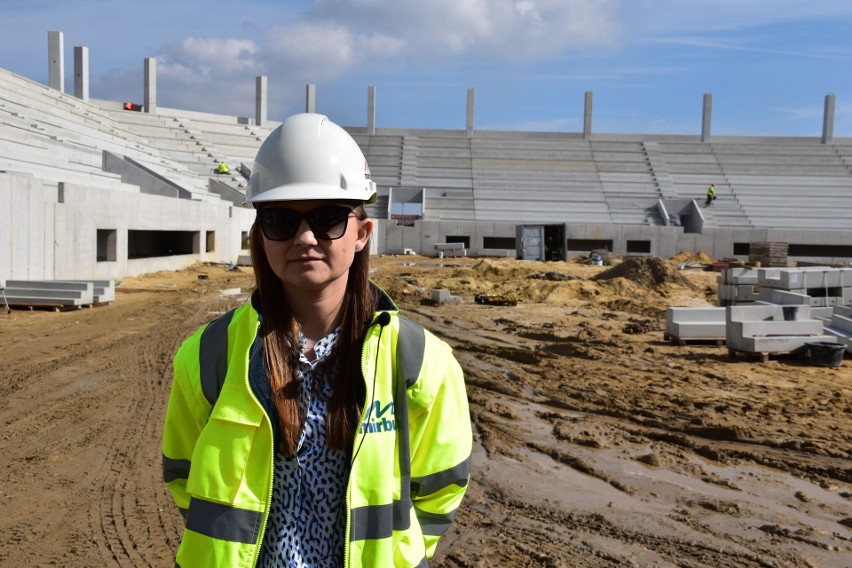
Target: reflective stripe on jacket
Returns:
[[403, 490]]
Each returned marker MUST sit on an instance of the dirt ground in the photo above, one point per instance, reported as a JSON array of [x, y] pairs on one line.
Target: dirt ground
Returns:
[[598, 443]]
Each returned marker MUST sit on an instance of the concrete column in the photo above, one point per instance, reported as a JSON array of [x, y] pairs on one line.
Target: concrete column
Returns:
[[371, 109], [469, 125], [260, 100], [828, 120], [81, 72], [56, 60], [311, 98], [706, 117], [150, 85], [587, 116]]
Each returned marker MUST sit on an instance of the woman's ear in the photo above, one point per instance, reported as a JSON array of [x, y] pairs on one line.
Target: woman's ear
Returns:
[[365, 229]]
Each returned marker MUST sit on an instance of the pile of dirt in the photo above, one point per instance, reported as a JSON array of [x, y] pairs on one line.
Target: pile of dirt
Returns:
[[648, 272], [691, 257]]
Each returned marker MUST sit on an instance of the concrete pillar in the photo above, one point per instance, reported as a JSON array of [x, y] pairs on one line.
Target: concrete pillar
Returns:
[[371, 109], [260, 100], [311, 98], [150, 85], [56, 60], [81, 72], [469, 124], [587, 116], [706, 117], [828, 120]]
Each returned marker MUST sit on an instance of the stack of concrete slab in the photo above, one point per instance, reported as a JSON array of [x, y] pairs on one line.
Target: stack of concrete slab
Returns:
[[764, 329], [812, 286], [450, 249], [59, 293], [695, 324], [737, 286], [841, 326], [104, 291]]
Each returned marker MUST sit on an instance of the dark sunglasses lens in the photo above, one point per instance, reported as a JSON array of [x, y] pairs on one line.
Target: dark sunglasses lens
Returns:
[[279, 224], [329, 223]]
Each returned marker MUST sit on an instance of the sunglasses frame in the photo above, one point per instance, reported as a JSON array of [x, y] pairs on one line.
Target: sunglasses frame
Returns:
[[320, 233]]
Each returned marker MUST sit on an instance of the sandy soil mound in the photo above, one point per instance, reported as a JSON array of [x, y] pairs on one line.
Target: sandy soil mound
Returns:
[[691, 257], [649, 272]]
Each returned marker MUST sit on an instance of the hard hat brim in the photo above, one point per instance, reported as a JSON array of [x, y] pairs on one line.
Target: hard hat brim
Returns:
[[311, 191]]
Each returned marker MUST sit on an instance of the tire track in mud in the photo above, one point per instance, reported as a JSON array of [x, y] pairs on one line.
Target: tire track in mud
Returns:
[[109, 522], [135, 520], [477, 349]]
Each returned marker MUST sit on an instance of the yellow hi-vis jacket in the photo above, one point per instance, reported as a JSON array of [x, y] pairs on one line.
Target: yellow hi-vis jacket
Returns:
[[408, 475]]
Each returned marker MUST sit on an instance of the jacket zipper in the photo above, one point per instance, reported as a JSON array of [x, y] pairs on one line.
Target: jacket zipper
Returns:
[[262, 532], [346, 541]]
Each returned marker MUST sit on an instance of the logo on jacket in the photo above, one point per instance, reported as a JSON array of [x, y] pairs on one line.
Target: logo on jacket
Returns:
[[379, 419]]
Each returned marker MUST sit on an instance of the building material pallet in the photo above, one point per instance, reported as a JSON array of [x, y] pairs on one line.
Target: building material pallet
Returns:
[[762, 355], [693, 340]]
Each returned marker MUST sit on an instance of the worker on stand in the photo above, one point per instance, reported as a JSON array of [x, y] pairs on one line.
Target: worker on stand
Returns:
[[711, 195], [222, 168], [314, 425]]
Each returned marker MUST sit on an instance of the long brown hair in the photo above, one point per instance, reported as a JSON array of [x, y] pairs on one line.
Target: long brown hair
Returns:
[[280, 335]]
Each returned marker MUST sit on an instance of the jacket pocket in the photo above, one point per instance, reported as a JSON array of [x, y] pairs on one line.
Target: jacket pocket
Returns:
[[221, 454]]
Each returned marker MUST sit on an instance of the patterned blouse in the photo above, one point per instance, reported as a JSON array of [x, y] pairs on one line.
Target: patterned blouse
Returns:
[[307, 518]]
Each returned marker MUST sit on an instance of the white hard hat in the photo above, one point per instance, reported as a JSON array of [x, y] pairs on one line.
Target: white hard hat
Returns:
[[310, 157]]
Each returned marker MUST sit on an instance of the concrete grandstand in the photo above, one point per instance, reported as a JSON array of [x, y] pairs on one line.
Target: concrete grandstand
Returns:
[[89, 190]]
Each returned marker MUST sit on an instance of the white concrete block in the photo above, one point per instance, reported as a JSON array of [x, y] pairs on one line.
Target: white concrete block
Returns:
[[697, 314], [440, 295], [697, 330], [815, 277], [738, 275], [769, 277], [775, 328], [775, 344], [777, 296], [771, 328], [823, 313], [841, 322]]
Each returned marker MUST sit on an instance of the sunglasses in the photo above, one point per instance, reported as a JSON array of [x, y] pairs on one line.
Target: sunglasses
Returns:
[[327, 223]]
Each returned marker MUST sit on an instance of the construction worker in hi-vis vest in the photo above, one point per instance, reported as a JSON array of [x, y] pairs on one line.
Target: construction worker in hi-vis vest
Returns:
[[314, 426]]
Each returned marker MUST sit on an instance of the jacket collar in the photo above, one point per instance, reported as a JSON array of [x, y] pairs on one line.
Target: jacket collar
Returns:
[[381, 298]]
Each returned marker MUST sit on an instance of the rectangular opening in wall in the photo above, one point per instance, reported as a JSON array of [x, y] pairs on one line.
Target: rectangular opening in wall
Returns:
[[499, 243], [824, 292], [148, 244], [638, 247], [211, 241], [458, 239], [742, 249], [244, 240], [106, 249], [588, 245], [829, 251]]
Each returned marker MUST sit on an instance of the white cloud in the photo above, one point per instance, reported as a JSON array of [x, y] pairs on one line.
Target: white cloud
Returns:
[[324, 49], [514, 30], [206, 57]]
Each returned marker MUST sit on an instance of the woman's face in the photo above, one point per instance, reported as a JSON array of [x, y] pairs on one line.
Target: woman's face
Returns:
[[306, 262]]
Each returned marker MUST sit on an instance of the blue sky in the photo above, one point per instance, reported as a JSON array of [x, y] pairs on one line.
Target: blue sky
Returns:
[[768, 63]]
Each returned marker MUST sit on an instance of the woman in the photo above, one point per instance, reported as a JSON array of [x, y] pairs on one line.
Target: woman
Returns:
[[313, 426]]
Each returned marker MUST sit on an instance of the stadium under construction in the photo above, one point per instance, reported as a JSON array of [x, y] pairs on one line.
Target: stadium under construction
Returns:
[[91, 190]]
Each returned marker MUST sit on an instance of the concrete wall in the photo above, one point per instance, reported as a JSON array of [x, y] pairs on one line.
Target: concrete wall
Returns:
[[664, 241], [46, 233]]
